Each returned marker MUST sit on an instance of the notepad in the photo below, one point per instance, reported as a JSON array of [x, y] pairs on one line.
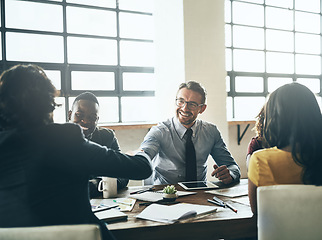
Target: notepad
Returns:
[[111, 215], [174, 213], [157, 196], [238, 191]]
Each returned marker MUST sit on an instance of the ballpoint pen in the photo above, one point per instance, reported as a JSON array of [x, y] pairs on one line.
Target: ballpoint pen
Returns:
[[217, 203], [103, 208], [231, 207], [143, 190]]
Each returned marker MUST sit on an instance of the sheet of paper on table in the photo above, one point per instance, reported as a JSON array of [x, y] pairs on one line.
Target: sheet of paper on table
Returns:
[[231, 192], [124, 204], [174, 213]]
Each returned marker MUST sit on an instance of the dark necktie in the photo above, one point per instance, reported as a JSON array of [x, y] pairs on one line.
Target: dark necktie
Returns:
[[191, 165]]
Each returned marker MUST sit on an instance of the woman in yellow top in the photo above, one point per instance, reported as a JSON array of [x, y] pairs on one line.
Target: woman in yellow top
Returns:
[[293, 133]]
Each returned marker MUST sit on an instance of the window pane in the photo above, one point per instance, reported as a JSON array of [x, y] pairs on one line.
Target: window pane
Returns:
[[248, 107], [307, 43], [109, 112], [227, 35], [274, 83], [274, 18], [55, 78], [307, 22], [59, 112], [134, 109], [34, 48], [242, 37], [280, 62], [248, 14], [228, 59], [310, 6], [139, 82], [279, 3], [92, 51], [249, 61], [137, 5], [34, 16], [137, 54], [249, 84], [254, 1], [227, 83], [279, 40], [229, 104], [98, 3], [306, 64], [136, 26], [91, 21], [227, 11], [92, 80], [312, 83]]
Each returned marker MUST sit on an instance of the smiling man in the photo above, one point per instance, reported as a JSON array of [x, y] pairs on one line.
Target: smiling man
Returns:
[[85, 113], [166, 143]]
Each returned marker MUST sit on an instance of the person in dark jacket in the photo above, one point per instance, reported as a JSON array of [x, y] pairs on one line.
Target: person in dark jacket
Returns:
[[85, 112], [45, 167]]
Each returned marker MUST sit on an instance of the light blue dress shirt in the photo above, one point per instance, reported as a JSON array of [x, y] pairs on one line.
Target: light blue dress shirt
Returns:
[[165, 144]]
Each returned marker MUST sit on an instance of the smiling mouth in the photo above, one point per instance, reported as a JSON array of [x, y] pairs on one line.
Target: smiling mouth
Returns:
[[84, 128], [185, 114]]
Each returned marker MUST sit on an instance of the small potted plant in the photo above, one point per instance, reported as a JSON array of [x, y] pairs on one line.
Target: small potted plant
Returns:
[[169, 193]]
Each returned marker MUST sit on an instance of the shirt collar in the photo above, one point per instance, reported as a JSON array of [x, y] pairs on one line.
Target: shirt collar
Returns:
[[181, 130]]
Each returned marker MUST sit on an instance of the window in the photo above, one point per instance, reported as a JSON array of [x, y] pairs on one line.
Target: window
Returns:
[[270, 43], [102, 46]]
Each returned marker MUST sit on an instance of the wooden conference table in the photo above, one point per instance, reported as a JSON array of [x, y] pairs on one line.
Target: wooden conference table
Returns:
[[223, 224]]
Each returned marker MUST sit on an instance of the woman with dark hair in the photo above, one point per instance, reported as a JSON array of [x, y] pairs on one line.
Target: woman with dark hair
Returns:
[[257, 142], [293, 131], [45, 167]]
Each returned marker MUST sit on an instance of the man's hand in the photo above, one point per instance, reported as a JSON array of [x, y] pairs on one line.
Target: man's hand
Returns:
[[222, 173]]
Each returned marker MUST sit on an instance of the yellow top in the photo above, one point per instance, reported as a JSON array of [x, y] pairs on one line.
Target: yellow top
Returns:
[[273, 166]]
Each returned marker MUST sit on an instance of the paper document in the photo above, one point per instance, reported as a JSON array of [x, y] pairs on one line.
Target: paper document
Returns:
[[111, 215], [237, 191], [173, 213], [124, 204], [157, 196]]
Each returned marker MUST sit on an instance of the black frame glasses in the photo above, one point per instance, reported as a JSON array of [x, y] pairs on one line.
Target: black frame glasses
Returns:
[[191, 105]]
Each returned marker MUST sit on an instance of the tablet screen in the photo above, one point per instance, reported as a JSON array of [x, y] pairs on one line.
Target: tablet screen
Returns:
[[197, 185]]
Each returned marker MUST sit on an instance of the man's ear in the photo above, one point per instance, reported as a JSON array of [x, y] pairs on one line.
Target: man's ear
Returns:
[[69, 115], [203, 108]]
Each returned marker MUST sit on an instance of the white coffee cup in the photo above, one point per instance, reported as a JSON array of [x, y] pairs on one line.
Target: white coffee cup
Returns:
[[108, 186]]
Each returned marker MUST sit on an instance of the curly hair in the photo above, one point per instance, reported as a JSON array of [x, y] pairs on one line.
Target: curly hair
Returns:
[[26, 97], [260, 123], [293, 118]]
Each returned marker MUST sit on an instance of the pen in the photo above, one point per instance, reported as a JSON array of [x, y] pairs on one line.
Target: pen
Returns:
[[103, 208], [142, 190], [124, 203], [217, 203], [231, 207]]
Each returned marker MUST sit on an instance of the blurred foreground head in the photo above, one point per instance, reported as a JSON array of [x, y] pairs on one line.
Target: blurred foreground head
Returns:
[[27, 97]]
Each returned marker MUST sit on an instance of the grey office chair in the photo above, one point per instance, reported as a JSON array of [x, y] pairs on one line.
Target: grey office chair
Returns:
[[59, 232], [289, 212]]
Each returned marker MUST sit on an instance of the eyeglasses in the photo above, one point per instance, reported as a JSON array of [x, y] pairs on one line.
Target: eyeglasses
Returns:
[[191, 105]]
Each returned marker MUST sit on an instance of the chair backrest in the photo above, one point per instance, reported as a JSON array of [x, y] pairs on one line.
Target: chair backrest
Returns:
[[57, 232], [289, 212]]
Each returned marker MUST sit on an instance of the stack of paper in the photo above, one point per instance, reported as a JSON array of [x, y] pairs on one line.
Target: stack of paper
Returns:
[[174, 213]]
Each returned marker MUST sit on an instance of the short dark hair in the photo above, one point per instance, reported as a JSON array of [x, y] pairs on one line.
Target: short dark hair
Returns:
[[86, 96], [196, 87], [27, 97]]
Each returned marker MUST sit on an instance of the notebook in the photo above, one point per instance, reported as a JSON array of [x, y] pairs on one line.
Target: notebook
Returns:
[[157, 196], [174, 213], [111, 215]]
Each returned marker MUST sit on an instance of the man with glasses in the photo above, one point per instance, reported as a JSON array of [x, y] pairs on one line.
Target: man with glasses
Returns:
[[85, 113], [166, 143]]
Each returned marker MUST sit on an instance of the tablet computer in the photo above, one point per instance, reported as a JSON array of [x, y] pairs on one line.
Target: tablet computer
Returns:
[[195, 185]]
